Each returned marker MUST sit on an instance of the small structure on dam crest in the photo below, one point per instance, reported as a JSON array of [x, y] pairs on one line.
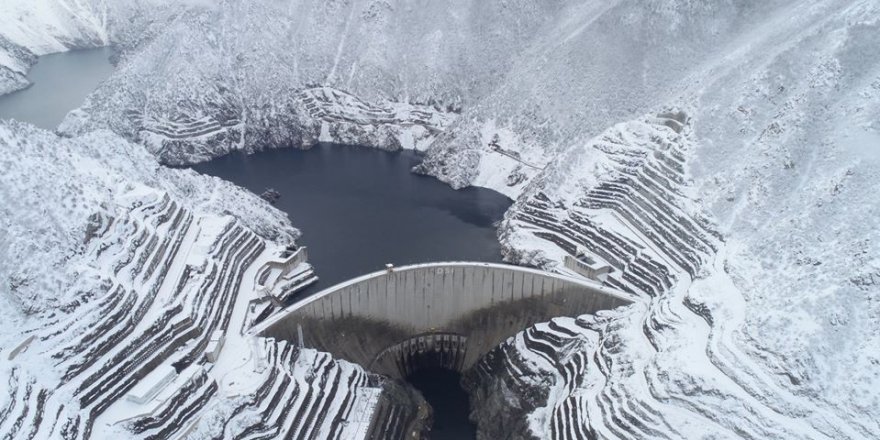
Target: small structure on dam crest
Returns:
[[440, 314]]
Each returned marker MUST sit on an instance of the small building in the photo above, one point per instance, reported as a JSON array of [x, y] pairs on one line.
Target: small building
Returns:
[[152, 384], [587, 266], [212, 351]]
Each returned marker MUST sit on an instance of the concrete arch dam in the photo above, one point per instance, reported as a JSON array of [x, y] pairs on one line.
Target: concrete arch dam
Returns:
[[440, 314]]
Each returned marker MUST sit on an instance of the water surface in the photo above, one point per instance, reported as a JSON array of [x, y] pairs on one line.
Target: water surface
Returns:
[[442, 389], [359, 208], [61, 83]]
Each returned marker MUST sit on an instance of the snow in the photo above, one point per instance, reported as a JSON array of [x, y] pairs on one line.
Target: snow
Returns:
[[863, 143], [80, 183], [233, 368], [151, 385], [780, 151]]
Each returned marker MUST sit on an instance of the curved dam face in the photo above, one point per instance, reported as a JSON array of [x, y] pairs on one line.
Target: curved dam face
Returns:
[[439, 314]]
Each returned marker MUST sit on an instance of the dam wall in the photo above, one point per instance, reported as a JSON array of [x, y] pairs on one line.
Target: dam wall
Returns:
[[447, 313]]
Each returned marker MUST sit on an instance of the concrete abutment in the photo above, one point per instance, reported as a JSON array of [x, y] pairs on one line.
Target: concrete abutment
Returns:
[[447, 314]]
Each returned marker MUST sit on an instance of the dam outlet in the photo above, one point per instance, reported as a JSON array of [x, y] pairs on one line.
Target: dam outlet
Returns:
[[428, 324]]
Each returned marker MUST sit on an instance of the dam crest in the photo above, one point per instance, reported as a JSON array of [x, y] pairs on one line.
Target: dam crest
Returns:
[[446, 314]]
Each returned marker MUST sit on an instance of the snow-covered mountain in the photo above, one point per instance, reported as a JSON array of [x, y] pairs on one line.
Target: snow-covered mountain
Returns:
[[721, 157], [116, 271], [47, 220]]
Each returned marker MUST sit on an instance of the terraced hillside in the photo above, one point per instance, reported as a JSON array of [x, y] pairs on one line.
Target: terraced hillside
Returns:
[[314, 115], [306, 394], [148, 339], [156, 308], [622, 200]]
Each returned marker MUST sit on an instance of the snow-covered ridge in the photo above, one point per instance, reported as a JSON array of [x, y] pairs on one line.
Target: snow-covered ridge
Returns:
[[395, 79], [31, 28], [122, 277], [47, 217], [620, 200]]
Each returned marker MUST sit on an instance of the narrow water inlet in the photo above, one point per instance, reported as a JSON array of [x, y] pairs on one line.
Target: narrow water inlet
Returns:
[[449, 402], [60, 83]]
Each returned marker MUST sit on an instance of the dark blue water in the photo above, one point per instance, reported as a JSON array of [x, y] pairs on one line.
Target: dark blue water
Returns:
[[359, 208], [442, 390], [61, 83]]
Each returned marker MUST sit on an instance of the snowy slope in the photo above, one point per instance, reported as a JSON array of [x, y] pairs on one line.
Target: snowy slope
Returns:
[[783, 159], [46, 26], [118, 274], [714, 328], [234, 77], [721, 156], [782, 110], [46, 219]]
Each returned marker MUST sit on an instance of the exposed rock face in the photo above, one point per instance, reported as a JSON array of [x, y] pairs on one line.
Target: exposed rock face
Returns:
[[501, 402]]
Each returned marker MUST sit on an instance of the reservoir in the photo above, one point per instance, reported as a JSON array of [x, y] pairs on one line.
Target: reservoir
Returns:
[[359, 208], [60, 83]]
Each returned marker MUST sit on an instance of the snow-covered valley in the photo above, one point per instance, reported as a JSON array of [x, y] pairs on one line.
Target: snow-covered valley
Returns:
[[720, 158]]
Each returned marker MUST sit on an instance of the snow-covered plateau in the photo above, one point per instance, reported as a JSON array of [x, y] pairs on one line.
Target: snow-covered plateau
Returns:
[[721, 157]]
